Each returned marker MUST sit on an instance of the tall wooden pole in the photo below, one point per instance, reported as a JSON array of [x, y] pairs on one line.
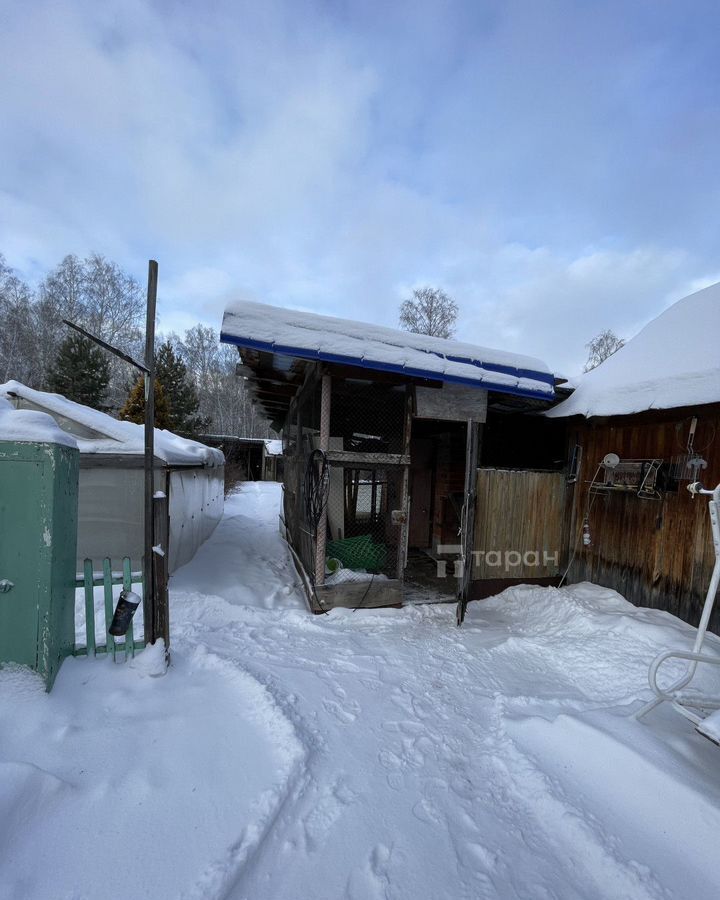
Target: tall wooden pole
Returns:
[[467, 534], [325, 400], [149, 605]]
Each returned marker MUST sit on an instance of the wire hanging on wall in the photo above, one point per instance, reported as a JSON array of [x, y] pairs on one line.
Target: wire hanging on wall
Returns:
[[316, 485]]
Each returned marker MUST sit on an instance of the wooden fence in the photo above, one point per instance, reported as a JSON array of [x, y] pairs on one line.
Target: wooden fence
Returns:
[[520, 524], [106, 578]]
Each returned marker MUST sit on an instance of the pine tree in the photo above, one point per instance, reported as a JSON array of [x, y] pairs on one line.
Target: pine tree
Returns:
[[81, 372], [134, 408], [182, 398]]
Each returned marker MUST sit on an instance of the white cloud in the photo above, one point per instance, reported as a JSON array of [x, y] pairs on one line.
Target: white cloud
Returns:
[[333, 158]]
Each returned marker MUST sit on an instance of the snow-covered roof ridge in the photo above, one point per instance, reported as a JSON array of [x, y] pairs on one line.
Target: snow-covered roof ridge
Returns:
[[673, 361], [30, 426], [314, 336], [101, 433]]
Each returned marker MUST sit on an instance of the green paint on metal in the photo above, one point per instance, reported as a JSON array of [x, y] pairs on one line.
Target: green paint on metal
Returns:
[[38, 524]]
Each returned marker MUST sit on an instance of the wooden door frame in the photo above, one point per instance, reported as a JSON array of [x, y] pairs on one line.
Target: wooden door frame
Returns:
[[467, 524]]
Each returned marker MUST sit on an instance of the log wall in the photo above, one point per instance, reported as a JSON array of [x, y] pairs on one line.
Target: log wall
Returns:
[[656, 553]]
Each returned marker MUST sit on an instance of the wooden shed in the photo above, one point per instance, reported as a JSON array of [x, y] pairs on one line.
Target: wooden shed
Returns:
[[384, 432], [640, 428]]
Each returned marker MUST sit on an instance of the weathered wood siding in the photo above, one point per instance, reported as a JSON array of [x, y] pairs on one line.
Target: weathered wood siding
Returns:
[[520, 522], [656, 553]]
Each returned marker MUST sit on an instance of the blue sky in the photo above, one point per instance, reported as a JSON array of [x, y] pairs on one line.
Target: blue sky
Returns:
[[552, 165]]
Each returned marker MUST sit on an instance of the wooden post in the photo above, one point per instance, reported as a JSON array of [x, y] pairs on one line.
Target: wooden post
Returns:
[[149, 611], [467, 535], [89, 607], [325, 399], [161, 625], [405, 500]]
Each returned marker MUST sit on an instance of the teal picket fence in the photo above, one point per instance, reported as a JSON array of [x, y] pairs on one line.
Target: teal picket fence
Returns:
[[87, 581]]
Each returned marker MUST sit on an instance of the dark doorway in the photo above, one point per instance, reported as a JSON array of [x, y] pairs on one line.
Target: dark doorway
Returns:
[[422, 453]]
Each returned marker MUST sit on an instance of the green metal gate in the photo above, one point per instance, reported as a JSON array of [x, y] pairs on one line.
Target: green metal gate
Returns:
[[38, 534]]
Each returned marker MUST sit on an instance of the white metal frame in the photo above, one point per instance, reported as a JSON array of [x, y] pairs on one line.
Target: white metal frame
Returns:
[[690, 704]]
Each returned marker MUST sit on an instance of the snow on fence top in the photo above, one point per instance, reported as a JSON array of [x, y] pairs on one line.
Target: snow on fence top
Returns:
[[673, 361], [315, 337], [30, 426], [96, 432]]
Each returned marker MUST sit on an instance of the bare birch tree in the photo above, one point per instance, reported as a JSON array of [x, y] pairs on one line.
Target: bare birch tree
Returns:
[[18, 342], [430, 311], [601, 347]]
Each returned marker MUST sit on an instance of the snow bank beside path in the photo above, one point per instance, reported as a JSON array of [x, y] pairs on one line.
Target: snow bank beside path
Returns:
[[123, 785]]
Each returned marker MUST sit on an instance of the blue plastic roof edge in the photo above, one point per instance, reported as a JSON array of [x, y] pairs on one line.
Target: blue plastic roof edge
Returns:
[[482, 383]]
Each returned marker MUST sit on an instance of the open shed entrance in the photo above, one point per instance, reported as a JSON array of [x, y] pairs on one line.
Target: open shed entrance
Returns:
[[437, 477], [516, 523]]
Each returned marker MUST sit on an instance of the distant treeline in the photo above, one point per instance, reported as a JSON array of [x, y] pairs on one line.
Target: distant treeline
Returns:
[[98, 295]]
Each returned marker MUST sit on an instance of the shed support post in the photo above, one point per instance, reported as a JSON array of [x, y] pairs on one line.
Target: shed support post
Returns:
[[467, 524], [149, 613], [404, 532], [321, 541], [161, 512]]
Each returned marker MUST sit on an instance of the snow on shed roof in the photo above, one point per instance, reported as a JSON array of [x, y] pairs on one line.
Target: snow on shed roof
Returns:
[[311, 336], [673, 361], [30, 426], [97, 432], [273, 447]]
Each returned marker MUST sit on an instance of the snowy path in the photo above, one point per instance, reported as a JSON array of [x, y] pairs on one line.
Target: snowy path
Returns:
[[492, 761], [361, 755]]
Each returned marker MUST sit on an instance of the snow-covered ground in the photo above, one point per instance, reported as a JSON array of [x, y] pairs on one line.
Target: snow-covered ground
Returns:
[[361, 755]]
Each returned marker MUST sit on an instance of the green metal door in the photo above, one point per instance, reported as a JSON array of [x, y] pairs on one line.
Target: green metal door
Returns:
[[38, 538], [19, 575]]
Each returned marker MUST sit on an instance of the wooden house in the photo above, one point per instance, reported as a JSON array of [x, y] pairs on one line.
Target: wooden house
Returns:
[[384, 432], [640, 428]]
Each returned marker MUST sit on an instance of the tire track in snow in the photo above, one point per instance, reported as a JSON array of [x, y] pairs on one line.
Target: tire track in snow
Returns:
[[223, 875]]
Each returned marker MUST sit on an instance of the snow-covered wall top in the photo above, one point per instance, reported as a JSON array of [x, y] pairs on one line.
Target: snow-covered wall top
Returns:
[[311, 336], [673, 361], [30, 426], [96, 432]]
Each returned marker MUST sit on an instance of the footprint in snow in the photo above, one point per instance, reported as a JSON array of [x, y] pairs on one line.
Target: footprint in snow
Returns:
[[345, 712]]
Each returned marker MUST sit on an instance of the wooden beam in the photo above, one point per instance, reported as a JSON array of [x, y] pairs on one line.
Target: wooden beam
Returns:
[[357, 595], [367, 460]]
